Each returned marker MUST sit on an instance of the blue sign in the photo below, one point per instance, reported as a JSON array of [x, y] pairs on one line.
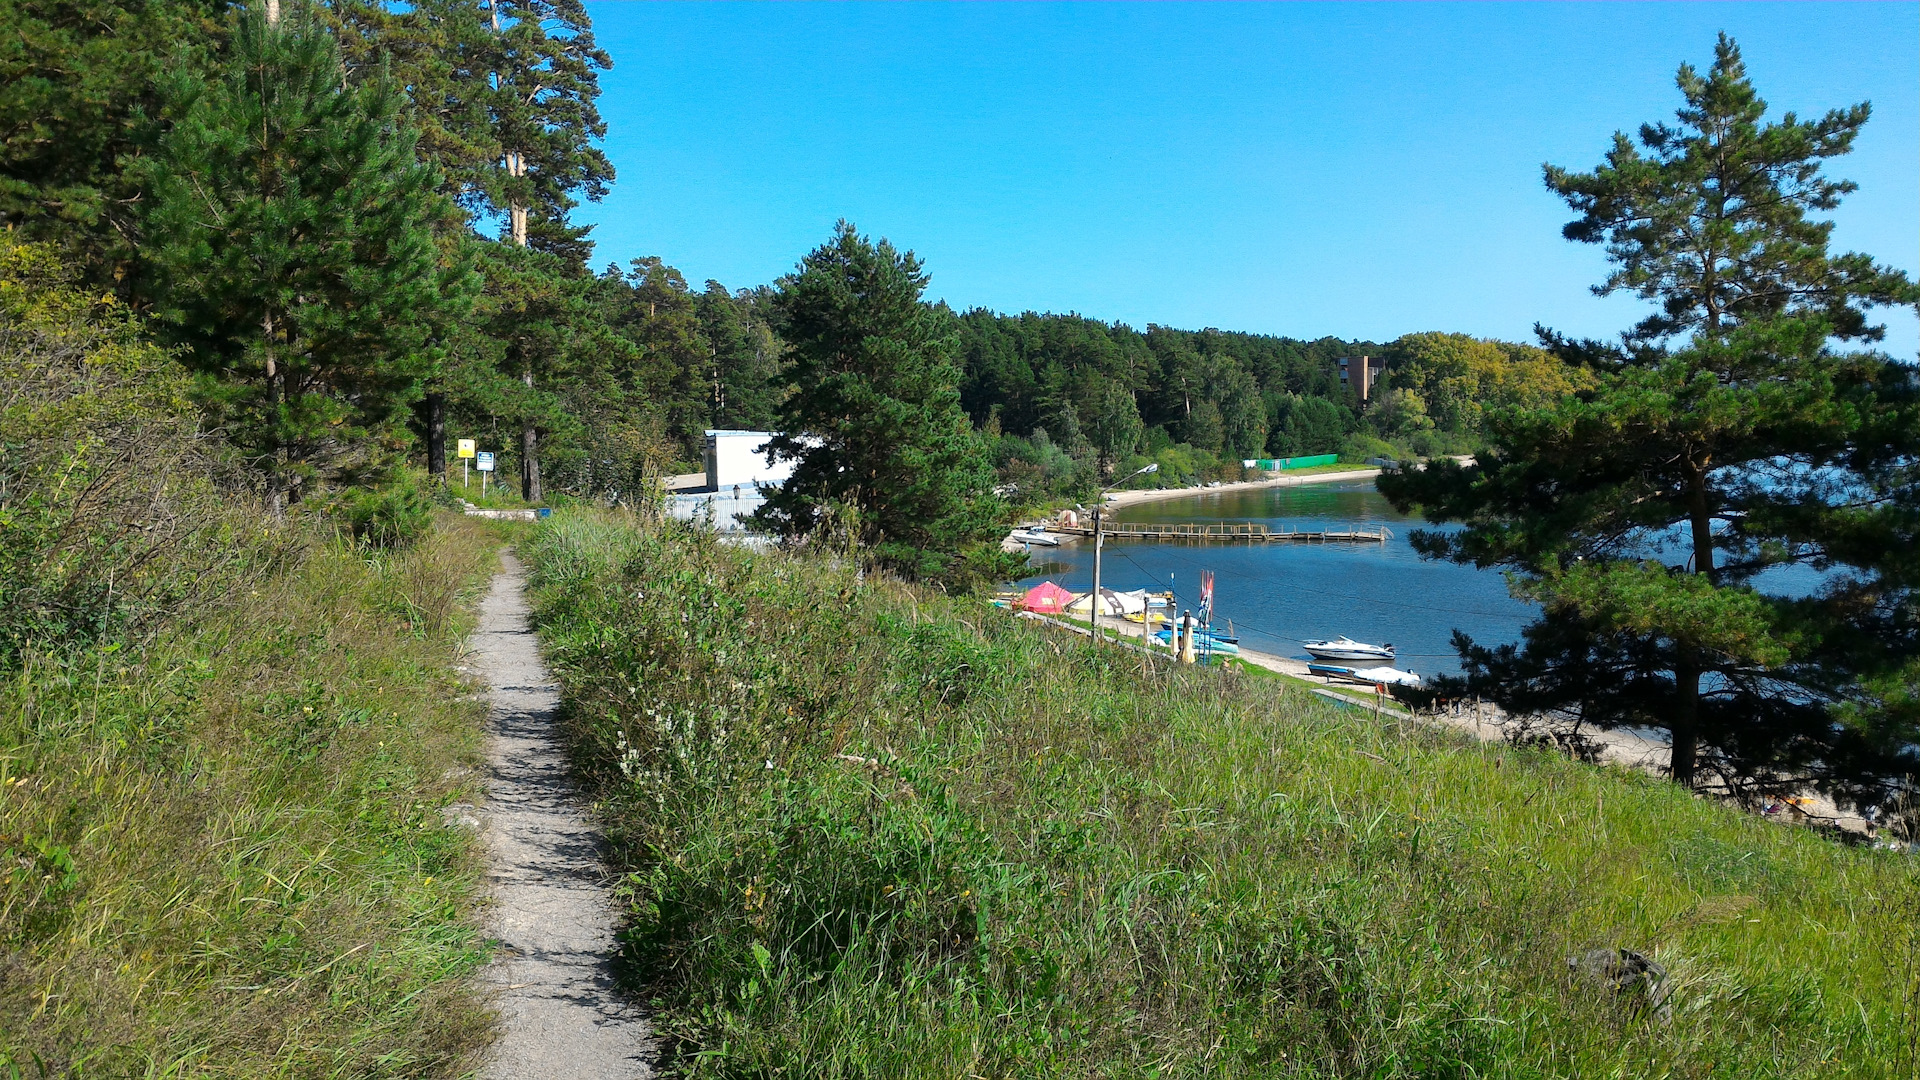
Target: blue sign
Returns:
[[483, 461]]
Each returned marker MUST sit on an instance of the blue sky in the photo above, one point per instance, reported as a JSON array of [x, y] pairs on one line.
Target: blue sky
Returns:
[[1359, 170]]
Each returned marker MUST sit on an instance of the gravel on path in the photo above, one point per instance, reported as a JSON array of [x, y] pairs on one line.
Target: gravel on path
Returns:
[[551, 978]]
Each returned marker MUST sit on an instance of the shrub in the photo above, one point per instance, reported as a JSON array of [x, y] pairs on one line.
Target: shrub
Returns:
[[392, 515], [222, 744], [111, 516], [1361, 447]]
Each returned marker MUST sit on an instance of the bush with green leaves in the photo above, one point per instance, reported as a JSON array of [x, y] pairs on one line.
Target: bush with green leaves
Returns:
[[110, 510], [391, 515]]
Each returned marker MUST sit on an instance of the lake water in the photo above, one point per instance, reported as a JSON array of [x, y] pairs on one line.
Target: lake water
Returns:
[[1278, 595]]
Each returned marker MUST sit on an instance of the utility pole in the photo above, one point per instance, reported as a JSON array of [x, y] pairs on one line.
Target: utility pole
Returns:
[[1099, 513], [1094, 610]]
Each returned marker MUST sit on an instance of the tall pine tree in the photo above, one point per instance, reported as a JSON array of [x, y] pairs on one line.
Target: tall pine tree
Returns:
[[288, 239], [745, 378], [80, 81], [875, 422], [505, 93], [1717, 531], [546, 120], [545, 86]]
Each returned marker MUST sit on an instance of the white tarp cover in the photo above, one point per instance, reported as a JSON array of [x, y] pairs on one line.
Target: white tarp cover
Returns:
[[1115, 603], [1387, 675]]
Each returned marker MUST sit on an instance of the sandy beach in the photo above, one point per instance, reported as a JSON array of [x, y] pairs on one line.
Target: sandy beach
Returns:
[[1129, 497]]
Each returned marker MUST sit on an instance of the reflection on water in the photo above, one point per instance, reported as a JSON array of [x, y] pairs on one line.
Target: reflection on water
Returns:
[[1277, 595]]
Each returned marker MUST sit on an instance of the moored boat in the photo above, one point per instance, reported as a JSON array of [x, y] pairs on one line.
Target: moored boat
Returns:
[[1034, 536], [1204, 640], [1345, 648], [1391, 676]]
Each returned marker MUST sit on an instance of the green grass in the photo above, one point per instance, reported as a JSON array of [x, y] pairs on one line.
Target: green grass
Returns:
[[501, 496], [1315, 470], [870, 831], [224, 853]]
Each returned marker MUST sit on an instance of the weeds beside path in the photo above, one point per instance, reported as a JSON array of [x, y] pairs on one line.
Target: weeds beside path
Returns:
[[222, 852], [560, 1013], [875, 832]]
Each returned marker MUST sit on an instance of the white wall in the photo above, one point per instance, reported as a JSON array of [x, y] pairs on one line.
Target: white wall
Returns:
[[720, 508], [739, 457]]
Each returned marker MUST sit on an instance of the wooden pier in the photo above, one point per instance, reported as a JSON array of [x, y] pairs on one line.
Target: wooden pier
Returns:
[[1221, 532]]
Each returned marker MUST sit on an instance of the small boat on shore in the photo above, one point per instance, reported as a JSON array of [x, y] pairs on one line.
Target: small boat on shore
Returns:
[[1204, 640], [1373, 675], [1345, 648], [1034, 536]]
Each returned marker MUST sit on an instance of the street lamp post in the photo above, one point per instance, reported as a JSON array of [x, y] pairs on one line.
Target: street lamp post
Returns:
[[1099, 515]]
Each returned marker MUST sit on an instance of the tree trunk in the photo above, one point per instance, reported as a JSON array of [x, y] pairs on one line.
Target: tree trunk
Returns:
[[437, 434], [1684, 726], [515, 162], [529, 453], [529, 462], [1702, 519], [276, 472]]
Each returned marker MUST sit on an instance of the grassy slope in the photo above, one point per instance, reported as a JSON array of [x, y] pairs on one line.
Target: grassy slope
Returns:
[[873, 832], [225, 856]]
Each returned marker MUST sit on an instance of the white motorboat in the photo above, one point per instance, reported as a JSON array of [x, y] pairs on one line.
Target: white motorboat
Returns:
[[1373, 675], [1345, 648], [1034, 536]]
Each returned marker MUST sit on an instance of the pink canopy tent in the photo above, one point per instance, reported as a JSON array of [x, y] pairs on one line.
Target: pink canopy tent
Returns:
[[1047, 597]]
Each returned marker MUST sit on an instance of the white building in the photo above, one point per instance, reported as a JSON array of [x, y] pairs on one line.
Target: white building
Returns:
[[719, 511], [739, 459], [735, 483]]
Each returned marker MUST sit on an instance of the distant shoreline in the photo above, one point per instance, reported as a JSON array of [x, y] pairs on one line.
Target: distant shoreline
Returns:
[[1128, 498]]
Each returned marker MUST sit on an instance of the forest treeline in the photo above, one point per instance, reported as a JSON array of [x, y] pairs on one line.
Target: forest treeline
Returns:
[[1067, 399], [356, 231]]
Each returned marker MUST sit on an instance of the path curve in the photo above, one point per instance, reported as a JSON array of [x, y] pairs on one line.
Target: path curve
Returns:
[[551, 978]]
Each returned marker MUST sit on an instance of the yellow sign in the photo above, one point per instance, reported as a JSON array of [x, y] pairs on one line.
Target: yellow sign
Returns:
[[466, 447]]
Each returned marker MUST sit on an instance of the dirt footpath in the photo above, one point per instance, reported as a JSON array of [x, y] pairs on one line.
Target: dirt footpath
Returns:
[[560, 1015]]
